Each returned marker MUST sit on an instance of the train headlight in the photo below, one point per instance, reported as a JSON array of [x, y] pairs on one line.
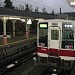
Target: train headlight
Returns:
[[71, 26], [65, 26], [68, 26]]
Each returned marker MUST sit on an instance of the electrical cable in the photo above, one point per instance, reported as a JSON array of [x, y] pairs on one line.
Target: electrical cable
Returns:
[[39, 5]]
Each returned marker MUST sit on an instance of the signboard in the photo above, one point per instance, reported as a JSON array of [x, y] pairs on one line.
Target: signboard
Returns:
[[43, 25]]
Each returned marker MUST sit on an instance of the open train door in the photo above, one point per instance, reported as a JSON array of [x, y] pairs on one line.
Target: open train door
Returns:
[[54, 40]]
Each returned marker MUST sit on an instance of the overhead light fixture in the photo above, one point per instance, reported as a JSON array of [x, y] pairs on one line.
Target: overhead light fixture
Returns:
[[29, 21], [39, 19], [23, 20], [71, 3], [13, 18]]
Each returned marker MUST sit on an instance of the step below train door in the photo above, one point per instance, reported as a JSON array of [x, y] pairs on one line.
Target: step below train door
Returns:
[[54, 41]]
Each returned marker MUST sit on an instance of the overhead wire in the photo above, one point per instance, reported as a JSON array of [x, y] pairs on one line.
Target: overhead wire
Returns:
[[36, 4], [67, 4]]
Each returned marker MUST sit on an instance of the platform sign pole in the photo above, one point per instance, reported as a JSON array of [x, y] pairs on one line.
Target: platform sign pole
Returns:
[[4, 29]]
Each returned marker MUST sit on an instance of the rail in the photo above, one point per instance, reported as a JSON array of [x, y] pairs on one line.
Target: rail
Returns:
[[16, 52]]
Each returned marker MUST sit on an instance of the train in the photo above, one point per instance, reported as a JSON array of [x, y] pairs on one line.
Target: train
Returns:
[[56, 43]]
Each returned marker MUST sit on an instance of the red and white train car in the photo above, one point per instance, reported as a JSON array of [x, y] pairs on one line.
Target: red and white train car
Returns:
[[56, 43]]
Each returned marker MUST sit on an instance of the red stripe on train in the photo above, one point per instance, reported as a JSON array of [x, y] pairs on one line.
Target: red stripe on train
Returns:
[[42, 50], [56, 52], [67, 53]]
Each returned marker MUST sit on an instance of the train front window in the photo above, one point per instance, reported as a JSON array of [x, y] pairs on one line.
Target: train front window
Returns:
[[67, 36], [43, 34]]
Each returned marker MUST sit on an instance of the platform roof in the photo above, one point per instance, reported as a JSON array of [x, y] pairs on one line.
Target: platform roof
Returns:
[[20, 13]]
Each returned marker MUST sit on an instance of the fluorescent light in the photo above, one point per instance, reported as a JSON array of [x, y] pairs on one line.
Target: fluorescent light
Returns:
[[12, 18], [23, 20], [72, 3], [54, 74], [29, 21]]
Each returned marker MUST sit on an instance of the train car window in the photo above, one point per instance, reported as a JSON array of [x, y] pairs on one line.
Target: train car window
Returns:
[[54, 34], [43, 34], [67, 36], [43, 37]]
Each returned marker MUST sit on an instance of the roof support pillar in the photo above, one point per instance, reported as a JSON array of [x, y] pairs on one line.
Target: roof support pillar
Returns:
[[27, 33], [14, 27], [4, 31]]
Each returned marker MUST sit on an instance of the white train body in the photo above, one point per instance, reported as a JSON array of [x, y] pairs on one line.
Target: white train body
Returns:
[[56, 42]]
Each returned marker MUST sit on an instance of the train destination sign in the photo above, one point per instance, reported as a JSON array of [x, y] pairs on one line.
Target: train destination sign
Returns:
[[43, 25]]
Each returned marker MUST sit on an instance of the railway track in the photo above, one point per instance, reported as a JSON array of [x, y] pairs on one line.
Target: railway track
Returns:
[[15, 54], [38, 70], [22, 69], [54, 71], [48, 70], [29, 69], [16, 63]]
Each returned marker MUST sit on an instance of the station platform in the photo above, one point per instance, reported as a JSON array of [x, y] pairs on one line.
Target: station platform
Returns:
[[16, 39]]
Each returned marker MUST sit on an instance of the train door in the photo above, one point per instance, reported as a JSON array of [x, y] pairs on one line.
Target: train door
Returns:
[[54, 38]]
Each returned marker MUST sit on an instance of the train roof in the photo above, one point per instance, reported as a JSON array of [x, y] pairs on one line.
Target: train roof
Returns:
[[57, 20]]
